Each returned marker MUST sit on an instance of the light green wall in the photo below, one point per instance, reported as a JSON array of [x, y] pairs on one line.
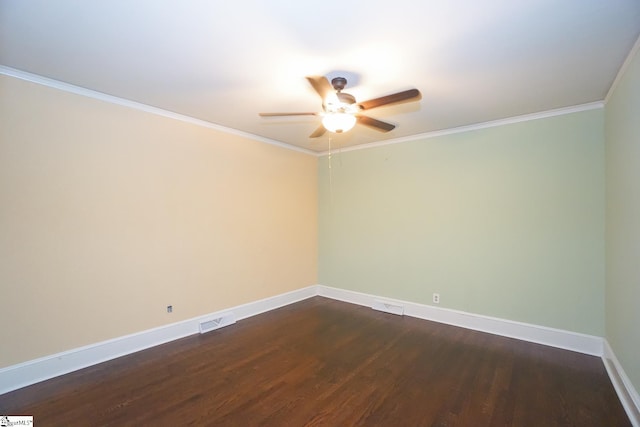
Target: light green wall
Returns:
[[623, 221], [505, 221]]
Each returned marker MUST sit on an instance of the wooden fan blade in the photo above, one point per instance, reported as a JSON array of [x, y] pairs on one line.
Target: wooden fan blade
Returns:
[[375, 123], [318, 132], [286, 114], [321, 85], [404, 96]]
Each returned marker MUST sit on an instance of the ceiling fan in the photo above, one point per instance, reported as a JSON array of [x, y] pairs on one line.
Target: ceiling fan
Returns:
[[340, 111]]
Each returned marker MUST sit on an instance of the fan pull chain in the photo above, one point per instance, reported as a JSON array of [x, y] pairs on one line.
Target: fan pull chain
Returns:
[[330, 176]]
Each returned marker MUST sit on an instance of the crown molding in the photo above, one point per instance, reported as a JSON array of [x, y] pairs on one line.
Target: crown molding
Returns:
[[622, 70], [78, 90], [494, 123]]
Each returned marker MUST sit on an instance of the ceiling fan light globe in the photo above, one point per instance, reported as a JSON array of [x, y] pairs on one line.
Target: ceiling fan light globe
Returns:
[[338, 122]]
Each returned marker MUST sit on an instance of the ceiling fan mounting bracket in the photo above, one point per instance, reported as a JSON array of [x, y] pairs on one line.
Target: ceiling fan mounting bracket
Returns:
[[338, 83]]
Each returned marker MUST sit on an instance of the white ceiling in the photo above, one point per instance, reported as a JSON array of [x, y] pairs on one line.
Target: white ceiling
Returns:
[[225, 61]]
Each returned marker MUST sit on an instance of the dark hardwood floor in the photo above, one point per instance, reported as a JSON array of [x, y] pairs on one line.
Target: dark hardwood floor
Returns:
[[325, 363]]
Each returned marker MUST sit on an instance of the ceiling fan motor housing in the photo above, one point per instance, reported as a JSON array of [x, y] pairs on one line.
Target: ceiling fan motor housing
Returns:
[[340, 102], [346, 98]]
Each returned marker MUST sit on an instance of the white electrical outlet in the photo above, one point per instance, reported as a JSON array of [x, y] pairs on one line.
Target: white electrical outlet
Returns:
[[436, 298]]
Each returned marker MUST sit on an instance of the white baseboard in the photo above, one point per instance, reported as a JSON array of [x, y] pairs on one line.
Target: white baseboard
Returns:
[[626, 391], [587, 344], [33, 371], [567, 340]]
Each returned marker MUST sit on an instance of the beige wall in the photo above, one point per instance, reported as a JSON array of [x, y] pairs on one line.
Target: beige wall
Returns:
[[109, 214]]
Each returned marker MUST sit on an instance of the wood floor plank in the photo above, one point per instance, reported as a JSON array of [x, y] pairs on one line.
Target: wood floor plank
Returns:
[[326, 363]]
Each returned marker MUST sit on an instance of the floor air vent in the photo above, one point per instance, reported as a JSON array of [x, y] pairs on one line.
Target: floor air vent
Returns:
[[388, 307], [213, 323]]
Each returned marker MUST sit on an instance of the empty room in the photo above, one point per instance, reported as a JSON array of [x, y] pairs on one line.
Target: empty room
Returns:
[[410, 213]]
